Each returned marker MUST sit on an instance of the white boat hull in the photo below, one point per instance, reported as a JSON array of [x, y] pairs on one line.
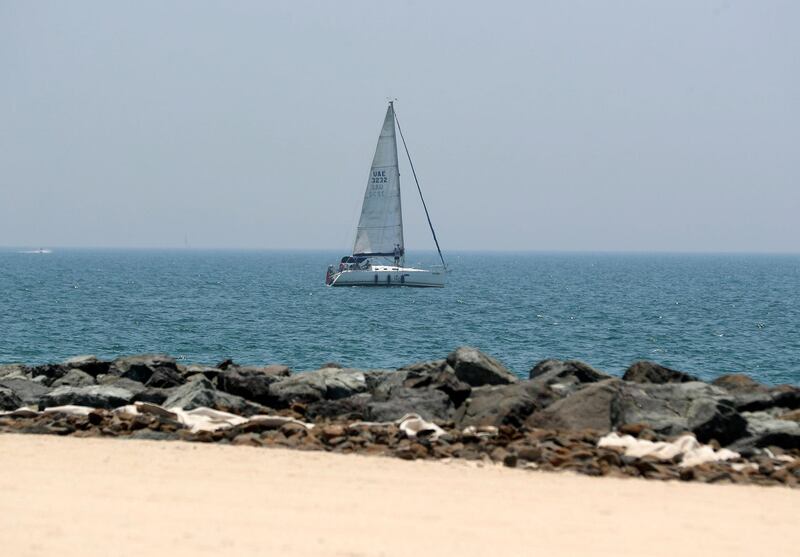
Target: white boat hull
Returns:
[[389, 276]]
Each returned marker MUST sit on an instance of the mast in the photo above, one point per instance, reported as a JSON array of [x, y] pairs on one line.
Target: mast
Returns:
[[419, 189]]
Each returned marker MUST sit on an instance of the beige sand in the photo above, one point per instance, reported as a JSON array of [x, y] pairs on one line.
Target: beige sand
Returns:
[[66, 496]]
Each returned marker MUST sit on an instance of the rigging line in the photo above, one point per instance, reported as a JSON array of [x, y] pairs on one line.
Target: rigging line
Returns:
[[419, 189]]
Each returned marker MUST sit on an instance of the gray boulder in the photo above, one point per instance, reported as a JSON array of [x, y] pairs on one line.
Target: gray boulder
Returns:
[[651, 372], [431, 404], [565, 377], [749, 396], [47, 373], [320, 384], [786, 396], [351, 408], [153, 395], [593, 407], [710, 418], [9, 400], [271, 370], [89, 363], [666, 408], [753, 401], [249, 384], [122, 382], [188, 371], [27, 390], [502, 404], [165, 377], [141, 367], [74, 378], [765, 429], [424, 375], [95, 396], [476, 368], [201, 393], [669, 409]]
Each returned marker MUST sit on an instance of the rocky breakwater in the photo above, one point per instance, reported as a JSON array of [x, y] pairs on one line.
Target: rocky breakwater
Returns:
[[654, 422]]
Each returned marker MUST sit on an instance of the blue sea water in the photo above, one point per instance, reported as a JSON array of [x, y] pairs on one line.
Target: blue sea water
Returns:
[[704, 314]]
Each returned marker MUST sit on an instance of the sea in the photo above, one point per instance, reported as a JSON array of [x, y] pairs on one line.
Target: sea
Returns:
[[706, 314]]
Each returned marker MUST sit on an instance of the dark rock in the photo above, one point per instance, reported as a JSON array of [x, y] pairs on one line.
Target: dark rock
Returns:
[[50, 372], [271, 370], [141, 367], [502, 404], [665, 407], [766, 429], [74, 378], [249, 384], [570, 371], [225, 364], [153, 395], [9, 400], [431, 367], [431, 404], [89, 364], [201, 392], [164, 377], [592, 407], [530, 453], [752, 401], [749, 396], [709, 419], [476, 368], [746, 394], [350, 408], [651, 372], [291, 429], [95, 396], [27, 390], [122, 382], [425, 375], [786, 396], [321, 384], [510, 460]]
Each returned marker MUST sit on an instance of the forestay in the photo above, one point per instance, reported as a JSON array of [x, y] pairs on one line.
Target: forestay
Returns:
[[380, 227]]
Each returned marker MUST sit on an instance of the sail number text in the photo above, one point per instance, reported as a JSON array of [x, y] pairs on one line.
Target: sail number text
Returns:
[[379, 177], [376, 182]]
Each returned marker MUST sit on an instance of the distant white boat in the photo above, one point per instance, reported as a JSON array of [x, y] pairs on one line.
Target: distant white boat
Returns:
[[378, 257], [40, 250]]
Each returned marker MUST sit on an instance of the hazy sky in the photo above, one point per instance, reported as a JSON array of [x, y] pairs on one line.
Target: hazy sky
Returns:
[[533, 125]]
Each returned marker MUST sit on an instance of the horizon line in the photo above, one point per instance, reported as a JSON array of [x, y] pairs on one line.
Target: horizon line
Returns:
[[454, 251]]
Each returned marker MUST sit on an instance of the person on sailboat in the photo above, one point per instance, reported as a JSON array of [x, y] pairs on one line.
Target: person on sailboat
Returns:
[[397, 253]]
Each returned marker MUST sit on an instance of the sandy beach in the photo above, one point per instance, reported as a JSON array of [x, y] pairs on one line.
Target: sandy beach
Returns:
[[72, 496]]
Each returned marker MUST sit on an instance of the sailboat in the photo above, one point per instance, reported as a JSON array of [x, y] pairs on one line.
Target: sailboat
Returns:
[[378, 257]]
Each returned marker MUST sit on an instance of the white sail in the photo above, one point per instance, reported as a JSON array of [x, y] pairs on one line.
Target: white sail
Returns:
[[380, 227]]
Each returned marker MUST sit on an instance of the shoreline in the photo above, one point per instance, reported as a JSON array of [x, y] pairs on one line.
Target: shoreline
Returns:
[[190, 499], [654, 422]]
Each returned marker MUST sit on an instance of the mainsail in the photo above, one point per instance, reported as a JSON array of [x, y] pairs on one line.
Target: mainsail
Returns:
[[380, 227]]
